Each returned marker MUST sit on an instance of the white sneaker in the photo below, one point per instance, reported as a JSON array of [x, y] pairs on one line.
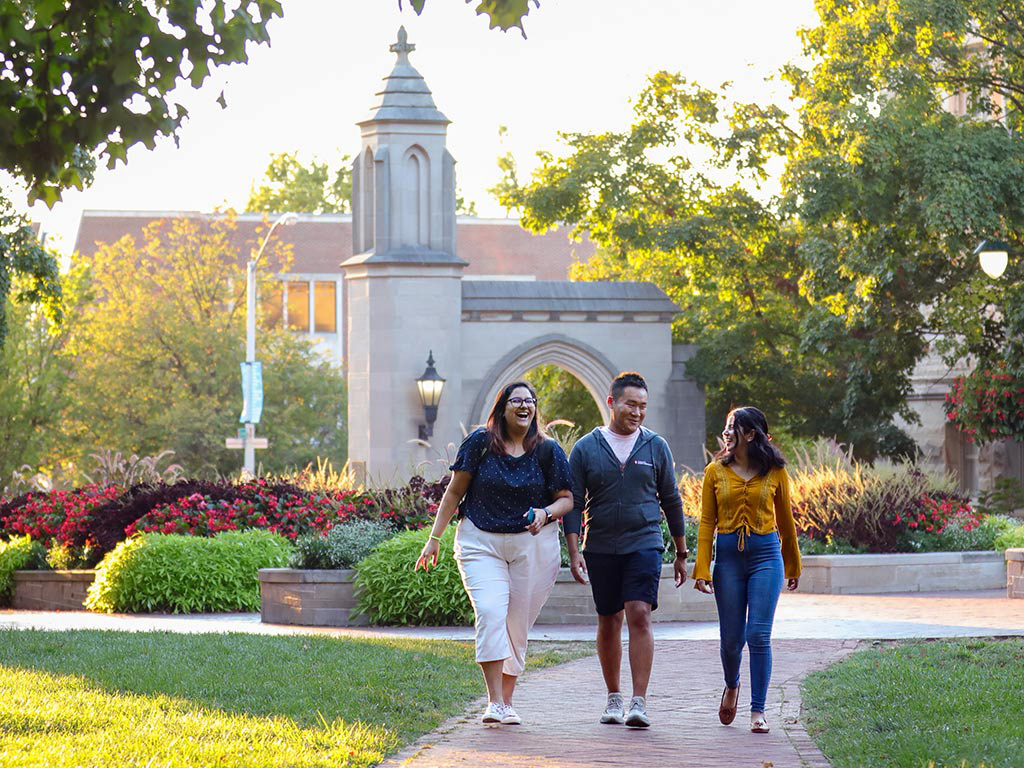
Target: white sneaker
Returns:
[[494, 713], [637, 717], [511, 718], [614, 714]]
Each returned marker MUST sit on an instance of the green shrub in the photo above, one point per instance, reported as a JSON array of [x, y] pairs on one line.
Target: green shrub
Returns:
[[343, 546], [17, 554], [390, 592], [186, 574], [1013, 538]]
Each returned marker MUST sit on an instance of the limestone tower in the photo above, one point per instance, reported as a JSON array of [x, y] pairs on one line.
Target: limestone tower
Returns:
[[403, 282]]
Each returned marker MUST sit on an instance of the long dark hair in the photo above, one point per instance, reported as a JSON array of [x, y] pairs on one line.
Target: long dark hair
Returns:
[[760, 451], [497, 428]]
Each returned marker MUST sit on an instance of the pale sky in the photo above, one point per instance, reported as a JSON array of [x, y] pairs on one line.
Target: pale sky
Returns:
[[582, 63]]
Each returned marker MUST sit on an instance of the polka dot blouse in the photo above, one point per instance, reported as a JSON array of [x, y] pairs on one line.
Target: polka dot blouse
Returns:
[[505, 487]]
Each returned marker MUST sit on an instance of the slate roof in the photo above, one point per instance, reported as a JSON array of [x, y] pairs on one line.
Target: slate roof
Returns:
[[321, 242]]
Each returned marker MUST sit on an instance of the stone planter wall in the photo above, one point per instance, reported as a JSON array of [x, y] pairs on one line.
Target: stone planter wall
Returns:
[[925, 572], [324, 598], [1015, 573], [51, 590], [572, 603], [318, 598]]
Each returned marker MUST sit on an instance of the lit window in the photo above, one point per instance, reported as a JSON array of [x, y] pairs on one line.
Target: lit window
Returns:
[[271, 305], [325, 319], [298, 306]]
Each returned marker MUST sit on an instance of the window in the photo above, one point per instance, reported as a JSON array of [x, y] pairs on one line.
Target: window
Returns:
[[298, 305], [271, 303], [325, 318]]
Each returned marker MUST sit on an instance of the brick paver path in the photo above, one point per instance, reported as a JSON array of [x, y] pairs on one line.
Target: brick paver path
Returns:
[[560, 709]]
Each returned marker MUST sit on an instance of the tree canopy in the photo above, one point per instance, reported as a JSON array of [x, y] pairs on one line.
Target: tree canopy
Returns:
[[503, 14], [156, 358], [288, 185], [818, 303]]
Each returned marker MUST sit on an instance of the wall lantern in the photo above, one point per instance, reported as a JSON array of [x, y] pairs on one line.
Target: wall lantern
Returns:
[[993, 255], [430, 385]]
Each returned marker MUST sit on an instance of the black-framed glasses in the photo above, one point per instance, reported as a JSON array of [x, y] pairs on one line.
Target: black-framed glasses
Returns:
[[517, 402]]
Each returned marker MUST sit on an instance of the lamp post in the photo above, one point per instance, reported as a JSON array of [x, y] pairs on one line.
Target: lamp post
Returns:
[[430, 386], [994, 256], [249, 457]]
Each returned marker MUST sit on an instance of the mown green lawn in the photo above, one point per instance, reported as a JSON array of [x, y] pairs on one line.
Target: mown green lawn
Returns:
[[950, 704], [86, 698]]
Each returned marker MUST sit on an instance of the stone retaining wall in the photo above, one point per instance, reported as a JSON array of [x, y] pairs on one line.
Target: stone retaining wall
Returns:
[[317, 598], [571, 602], [924, 572], [324, 598], [1015, 573], [51, 590]]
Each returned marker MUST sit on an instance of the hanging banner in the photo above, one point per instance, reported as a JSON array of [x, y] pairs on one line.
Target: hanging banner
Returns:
[[252, 393]]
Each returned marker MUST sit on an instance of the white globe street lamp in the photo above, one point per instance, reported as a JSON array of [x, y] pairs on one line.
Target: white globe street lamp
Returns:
[[994, 256]]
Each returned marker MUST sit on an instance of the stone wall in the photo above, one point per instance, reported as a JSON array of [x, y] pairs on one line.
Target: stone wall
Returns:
[[1015, 573], [572, 603], [925, 572], [316, 598], [51, 590]]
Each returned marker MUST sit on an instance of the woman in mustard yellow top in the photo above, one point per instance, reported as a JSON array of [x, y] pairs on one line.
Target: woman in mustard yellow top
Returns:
[[746, 500]]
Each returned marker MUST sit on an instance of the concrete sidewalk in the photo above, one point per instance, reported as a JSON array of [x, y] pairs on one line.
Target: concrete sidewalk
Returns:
[[799, 616], [560, 706]]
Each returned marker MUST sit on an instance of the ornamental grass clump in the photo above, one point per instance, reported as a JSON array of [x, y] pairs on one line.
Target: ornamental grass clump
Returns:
[[186, 574], [841, 505], [391, 592]]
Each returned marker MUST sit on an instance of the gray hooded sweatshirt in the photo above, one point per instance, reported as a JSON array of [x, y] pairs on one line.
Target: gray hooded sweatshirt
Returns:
[[622, 504]]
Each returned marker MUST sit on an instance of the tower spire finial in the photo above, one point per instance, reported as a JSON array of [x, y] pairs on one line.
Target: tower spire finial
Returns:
[[403, 47]]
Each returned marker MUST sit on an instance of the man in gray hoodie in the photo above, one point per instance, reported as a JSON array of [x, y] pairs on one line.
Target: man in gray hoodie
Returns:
[[623, 479]]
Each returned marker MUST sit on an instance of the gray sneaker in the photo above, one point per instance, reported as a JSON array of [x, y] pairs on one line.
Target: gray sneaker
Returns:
[[614, 714], [637, 717]]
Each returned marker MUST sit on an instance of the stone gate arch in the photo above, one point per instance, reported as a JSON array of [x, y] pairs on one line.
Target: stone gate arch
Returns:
[[593, 369]]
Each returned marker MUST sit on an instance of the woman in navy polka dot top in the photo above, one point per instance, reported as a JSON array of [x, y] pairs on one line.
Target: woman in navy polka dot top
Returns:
[[508, 483]]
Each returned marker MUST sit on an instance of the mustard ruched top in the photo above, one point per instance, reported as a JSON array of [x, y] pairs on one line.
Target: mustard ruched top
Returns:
[[759, 505]]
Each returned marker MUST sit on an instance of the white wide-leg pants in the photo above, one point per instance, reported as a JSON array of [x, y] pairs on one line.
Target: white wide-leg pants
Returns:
[[508, 577]]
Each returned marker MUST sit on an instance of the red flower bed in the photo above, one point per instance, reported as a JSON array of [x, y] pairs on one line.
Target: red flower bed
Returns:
[[287, 514], [63, 517], [97, 519]]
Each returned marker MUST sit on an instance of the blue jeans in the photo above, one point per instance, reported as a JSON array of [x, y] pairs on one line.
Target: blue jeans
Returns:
[[747, 587]]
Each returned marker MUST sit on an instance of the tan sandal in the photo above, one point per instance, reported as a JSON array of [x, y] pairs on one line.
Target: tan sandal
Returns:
[[758, 724], [728, 714]]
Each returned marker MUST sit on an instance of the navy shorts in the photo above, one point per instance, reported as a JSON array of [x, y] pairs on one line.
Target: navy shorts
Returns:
[[617, 579]]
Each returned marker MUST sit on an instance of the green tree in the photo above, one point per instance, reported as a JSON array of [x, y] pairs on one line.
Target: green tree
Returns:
[[34, 385], [560, 395], [81, 79], [288, 185], [503, 14], [96, 77], [26, 267], [728, 260], [157, 356], [894, 191]]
